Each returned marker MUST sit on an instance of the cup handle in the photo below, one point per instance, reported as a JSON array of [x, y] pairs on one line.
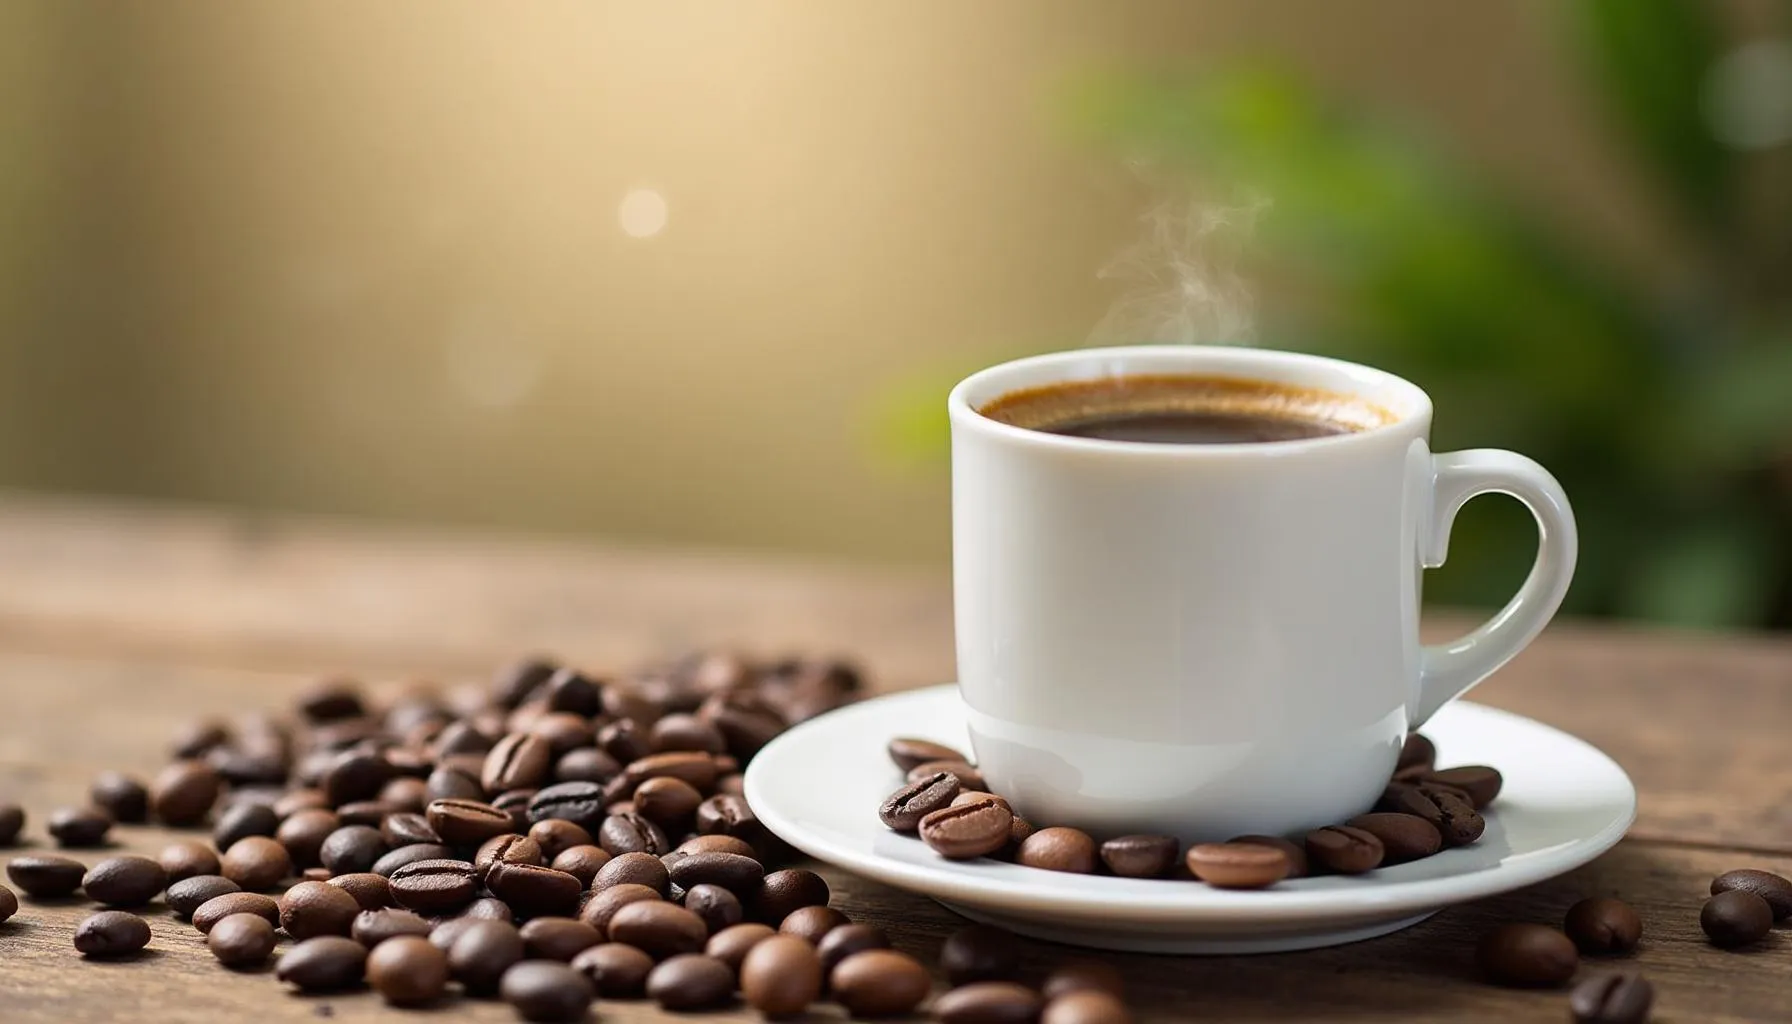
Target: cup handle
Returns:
[[1446, 671]]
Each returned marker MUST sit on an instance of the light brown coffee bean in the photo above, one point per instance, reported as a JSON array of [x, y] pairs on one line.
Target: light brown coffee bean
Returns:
[[371, 891], [558, 938], [1086, 1007], [909, 753], [1237, 865], [407, 970], [879, 983], [518, 761], [730, 945], [183, 792], [615, 970], [1295, 852], [1083, 976], [812, 923], [242, 940], [220, 907], [256, 863], [309, 909], [988, 1002], [968, 830], [967, 774], [781, 976], [1140, 856], [603, 904], [1059, 849], [658, 928], [691, 982]]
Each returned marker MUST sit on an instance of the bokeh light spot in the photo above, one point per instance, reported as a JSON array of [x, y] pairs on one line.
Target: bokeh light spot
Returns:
[[642, 213]]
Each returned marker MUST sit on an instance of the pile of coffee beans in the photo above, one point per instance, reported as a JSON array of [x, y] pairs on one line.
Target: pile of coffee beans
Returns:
[[551, 840], [946, 803]]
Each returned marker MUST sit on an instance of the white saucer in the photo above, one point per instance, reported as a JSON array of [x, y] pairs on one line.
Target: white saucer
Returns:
[[818, 787]]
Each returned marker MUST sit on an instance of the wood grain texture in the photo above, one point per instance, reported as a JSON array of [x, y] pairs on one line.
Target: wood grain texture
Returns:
[[117, 624]]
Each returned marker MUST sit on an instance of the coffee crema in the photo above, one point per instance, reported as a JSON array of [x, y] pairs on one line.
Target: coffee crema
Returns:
[[1185, 409]]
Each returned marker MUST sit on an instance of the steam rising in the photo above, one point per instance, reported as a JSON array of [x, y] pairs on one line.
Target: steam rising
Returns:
[[1184, 286]]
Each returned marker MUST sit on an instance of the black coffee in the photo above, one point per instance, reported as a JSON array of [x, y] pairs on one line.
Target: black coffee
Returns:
[[1184, 409]]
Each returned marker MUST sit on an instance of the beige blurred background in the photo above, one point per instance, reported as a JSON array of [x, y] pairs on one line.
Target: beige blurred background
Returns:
[[372, 259]]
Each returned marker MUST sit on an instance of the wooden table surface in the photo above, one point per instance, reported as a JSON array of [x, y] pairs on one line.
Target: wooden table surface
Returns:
[[117, 624]]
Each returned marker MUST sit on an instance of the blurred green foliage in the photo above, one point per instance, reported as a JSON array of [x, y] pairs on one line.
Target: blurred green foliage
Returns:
[[1666, 412]]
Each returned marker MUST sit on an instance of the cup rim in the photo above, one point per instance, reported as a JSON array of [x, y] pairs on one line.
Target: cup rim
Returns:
[[1218, 359]]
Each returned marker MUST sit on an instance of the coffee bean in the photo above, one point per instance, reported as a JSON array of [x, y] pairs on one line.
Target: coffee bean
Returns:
[[111, 933], [563, 732], [554, 837], [784, 892], [188, 894], [45, 877], [352, 849], [183, 792], [328, 963], [740, 875], [615, 970], [1059, 849], [667, 802], [303, 834], [586, 764], [727, 814], [812, 923], [407, 793], [686, 732], [467, 822], [879, 983], [1344, 850], [581, 803], [1735, 918], [443, 934], [971, 796], [240, 821], [222, 906], [909, 753], [691, 982], [12, 822], [546, 990], [694, 767], [1295, 852], [534, 891], [489, 908], [395, 859], [582, 862], [119, 795], [633, 869], [482, 952], [309, 909], [127, 881], [1776, 890], [408, 829], [630, 832], [449, 783], [1527, 955], [302, 799], [980, 952], [1237, 865], [718, 907], [9, 904], [716, 844], [1139, 856], [516, 682], [625, 741], [77, 827], [242, 940], [905, 808], [518, 761], [658, 928], [746, 725], [968, 776], [407, 971], [1417, 750], [509, 848], [1481, 783], [354, 776], [603, 905], [1455, 818], [968, 830], [1612, 999], [256, 863], [372, 927], [371, 891], [1084, 976], [558, 938], [1404, 837], [781, 976], [364, 812], [988, 1002], [1603, 926]]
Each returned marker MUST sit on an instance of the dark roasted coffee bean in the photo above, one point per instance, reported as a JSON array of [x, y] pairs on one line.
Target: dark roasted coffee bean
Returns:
[[968, 830], [730, 945], [1295, 852], [408, 829], [586, 764], [691, 982], [119, 795], [1530, 955], [220, 907], [546, 990], [686, 732], [625, 741], [77, 827], [1735, 918], [482, 952], [188, 894], [1086, 1008], [1775, 889], [781, 976], [489, 908], [603, 905], [879, 983], [980, 952], [633, 868], [515, 683], [510, 848], [555, 836], [739, 875], [726, 814], [534, 891], [444, 934], [303, 834], [331, 700], [1612, 999], [467, 822], [718, 907], [355, 776], [295, 800], [745, 726], [989, 1002], [407, 971], [242, 940], [196, 739], [694, 767], [188, 859], [787, 891], [812, 923], [1481, 783], [1404, 837], [328, 963], [582, 862], [669, 803], [581, 803], [183, 793], [1455, 818], [572, 691], [563, 732], [968, 775], [1084, 976], [371, 813], [371, 891], [1417, 751], [515, 802], [842, 942], [1140, 856], [908, 752], [715, 844], [352, 849], [1603, 925], [372, 927], [446, 783], [1344, 850], [1059, 849], [632, 833], [45, 877], [615, 970], [127, 881], [558, 938], [309, 909], [658, 928], [407, 794], [111, 933], [12, 822], [434, 887], [459, 737], [395, 859], [256, 863], [240, 821], [905, 808], [518, 761]]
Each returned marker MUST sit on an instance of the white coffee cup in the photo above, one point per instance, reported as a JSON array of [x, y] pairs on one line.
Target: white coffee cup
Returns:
[[1206, 640]]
